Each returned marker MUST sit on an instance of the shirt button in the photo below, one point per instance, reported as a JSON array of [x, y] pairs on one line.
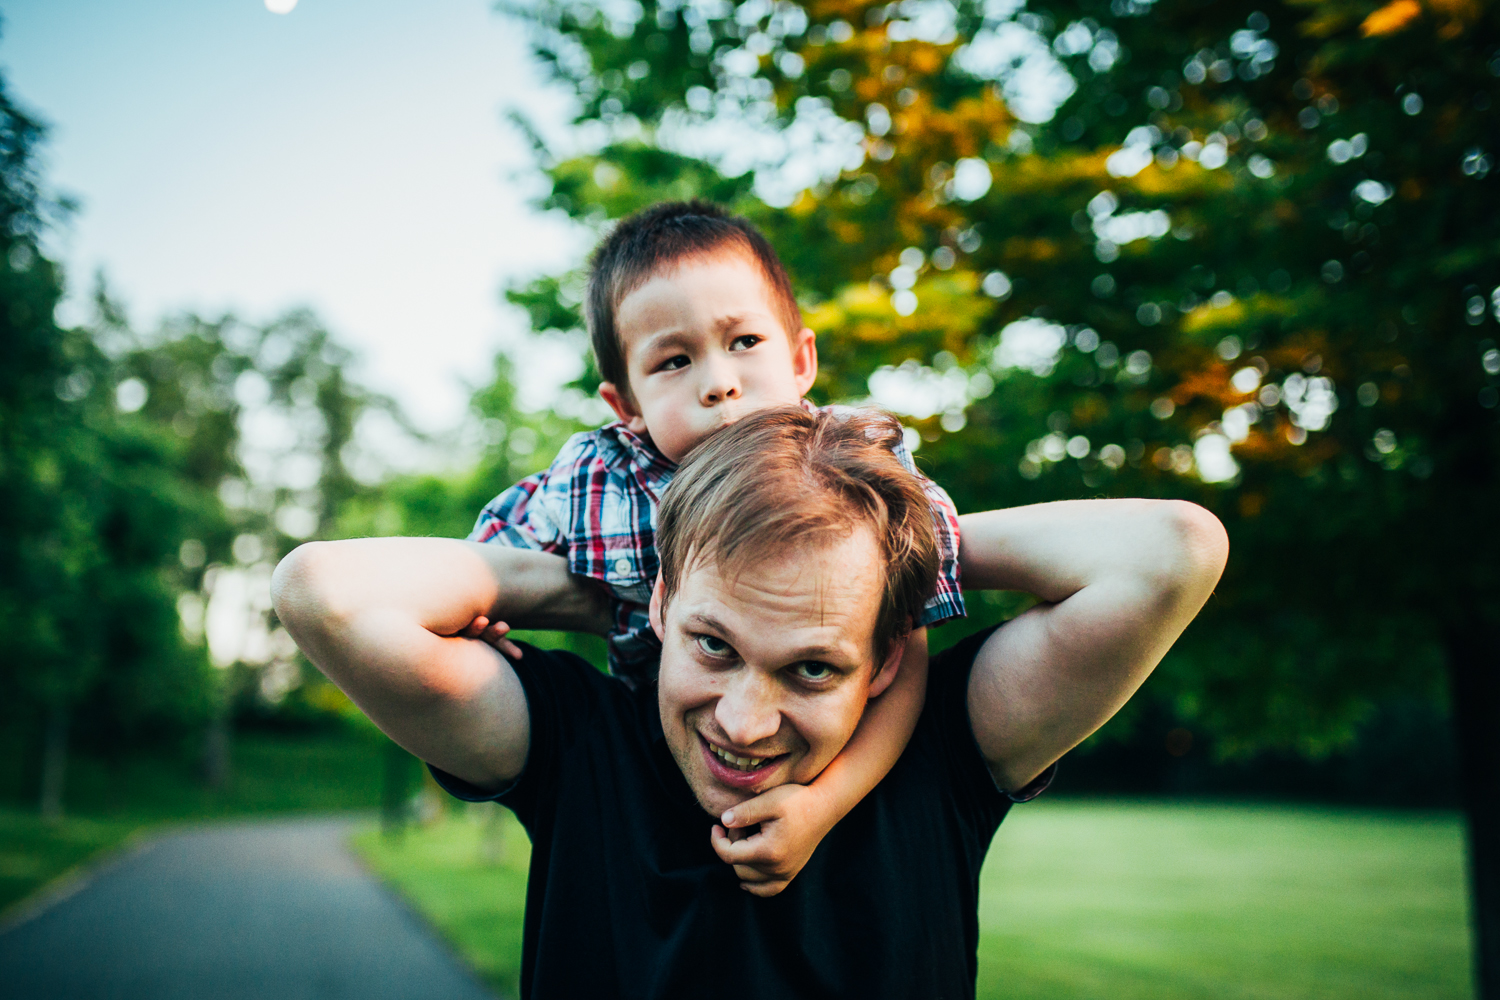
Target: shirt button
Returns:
[[622, 565]]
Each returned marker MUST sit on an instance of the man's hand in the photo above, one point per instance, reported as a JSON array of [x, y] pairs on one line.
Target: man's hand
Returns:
[[792, 820], [492, 634]]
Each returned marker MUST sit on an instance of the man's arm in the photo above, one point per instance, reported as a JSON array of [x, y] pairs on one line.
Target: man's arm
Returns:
[[382, 616], [1119, 581]]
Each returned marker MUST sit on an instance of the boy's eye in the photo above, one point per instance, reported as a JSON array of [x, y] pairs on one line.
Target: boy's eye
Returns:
[[811, 670], [675, 362], [713, 645], [746, 342]]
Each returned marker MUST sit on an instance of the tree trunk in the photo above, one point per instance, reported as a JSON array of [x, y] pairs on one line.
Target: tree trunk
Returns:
[[395, 789], [54, 762], [1474, 678], [217, 769]]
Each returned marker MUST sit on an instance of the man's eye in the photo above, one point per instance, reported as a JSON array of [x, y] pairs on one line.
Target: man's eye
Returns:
[[814, 671], [673, 363], [746, 342], [713, 645]]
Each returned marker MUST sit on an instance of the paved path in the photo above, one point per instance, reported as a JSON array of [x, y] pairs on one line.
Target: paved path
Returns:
[[272, 910]]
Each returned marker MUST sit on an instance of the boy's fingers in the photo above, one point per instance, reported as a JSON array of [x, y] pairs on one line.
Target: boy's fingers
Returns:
[[475, 629], [753, 860], [749, 813], [766, 806], [738, 851], [722, 845], [747, 874], [495, 635]]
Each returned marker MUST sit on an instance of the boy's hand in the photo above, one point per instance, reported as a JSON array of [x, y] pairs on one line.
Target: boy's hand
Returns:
[[793, 821], [493, 634]]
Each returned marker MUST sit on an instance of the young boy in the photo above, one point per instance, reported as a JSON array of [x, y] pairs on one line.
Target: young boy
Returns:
[[694, 325]]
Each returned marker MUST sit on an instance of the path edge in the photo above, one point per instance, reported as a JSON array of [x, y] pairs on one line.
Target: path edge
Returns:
[[75, 879]]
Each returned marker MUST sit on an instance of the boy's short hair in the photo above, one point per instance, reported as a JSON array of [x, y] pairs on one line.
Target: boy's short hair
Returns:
[[656, 238], [785, 477]]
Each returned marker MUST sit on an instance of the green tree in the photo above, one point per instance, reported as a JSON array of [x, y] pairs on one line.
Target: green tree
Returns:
[[95, 508], [1248, 258]]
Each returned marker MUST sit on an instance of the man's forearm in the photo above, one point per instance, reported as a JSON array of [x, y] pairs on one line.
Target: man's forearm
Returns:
[[443, 584], [1054, 550]]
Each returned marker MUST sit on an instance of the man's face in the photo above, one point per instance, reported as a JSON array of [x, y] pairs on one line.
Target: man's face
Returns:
[[764, 677], [703, 347]]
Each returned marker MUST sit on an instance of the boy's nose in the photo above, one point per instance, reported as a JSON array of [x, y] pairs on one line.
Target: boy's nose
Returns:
[[719, 384]]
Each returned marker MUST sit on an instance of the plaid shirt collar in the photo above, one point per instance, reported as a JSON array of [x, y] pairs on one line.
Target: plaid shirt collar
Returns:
[[654, 469]]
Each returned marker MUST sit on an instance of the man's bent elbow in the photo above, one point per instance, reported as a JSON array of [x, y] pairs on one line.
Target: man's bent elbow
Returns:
[[1199, 544], [300, 593]]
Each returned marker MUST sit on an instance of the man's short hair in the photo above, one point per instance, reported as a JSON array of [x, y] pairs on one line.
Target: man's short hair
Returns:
[[656, 239], [786, 478]]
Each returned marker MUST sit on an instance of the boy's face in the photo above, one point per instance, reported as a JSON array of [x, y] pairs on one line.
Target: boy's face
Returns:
[[704, 347]]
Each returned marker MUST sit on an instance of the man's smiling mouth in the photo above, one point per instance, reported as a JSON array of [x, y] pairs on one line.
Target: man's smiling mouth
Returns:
[[737, 762], [739, 768]]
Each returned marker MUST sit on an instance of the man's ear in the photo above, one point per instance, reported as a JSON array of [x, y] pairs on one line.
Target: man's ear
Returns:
[[886, 672], [624, 407], [654, 611], [805, 360]]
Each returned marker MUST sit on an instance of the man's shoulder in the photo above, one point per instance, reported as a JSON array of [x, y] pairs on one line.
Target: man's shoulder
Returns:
[[946, 730], [562, 674], [943, 744]]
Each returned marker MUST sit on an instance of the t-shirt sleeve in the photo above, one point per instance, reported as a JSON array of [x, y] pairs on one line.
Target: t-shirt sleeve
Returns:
[[562, 692], [534, 513], [947, 600], [947, 716]]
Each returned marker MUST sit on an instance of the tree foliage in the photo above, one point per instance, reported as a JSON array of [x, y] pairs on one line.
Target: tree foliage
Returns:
[[95, 506], [1246, 259], [149, 481]]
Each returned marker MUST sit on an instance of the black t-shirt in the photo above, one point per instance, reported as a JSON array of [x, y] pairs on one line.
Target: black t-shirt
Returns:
[[627, 898]]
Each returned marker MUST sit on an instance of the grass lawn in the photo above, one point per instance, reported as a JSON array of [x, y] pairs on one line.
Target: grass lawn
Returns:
[[1224, 902], [1086, 899], [108, 801], [467, 874]]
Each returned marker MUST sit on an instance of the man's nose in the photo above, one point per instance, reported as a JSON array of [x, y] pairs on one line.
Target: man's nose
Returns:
[[720, 383], [747, 711]]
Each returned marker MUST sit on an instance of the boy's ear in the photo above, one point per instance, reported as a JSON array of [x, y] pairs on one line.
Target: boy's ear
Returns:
[[623, 406], [654, 611], [805, 360]]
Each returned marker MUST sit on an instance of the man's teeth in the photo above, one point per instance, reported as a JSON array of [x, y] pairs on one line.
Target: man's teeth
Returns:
[[736, 762]]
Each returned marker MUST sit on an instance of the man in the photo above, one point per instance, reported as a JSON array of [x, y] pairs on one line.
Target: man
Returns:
[[795, 549]]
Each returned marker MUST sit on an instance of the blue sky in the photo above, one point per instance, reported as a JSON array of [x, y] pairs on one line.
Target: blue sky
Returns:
[[350, 155]]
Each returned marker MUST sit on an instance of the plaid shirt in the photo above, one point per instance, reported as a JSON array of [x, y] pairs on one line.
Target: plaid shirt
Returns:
[[596, 505]]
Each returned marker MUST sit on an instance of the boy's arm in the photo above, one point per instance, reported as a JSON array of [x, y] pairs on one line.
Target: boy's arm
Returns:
[[382, 616], [794, 819], [1119, 581]]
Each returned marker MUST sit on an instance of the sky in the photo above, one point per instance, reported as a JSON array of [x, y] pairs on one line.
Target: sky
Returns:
[[349, 155]]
